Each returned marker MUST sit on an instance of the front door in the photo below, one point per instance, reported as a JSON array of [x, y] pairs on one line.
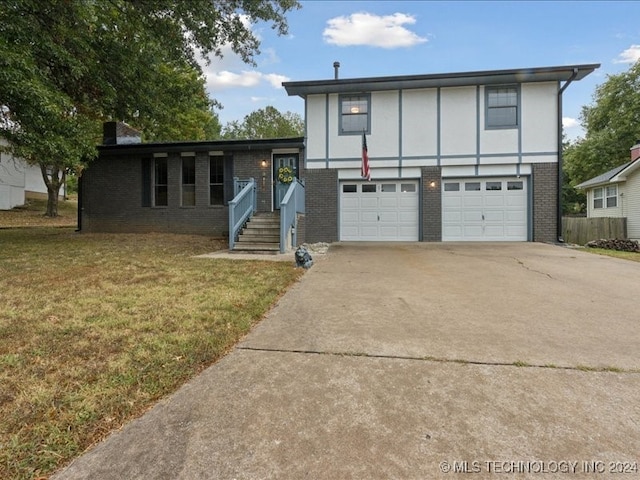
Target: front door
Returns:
[[285, 170]]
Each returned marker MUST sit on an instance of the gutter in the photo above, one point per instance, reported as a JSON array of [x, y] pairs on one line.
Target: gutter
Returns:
[[574, 74]]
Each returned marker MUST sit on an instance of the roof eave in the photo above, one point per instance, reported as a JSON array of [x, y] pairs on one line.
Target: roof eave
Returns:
[[622, 175], [489, 77], [204, 145]]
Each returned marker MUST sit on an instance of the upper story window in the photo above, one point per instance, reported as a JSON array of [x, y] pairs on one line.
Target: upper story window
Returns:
[[605, 197], [501, 107], [355, 114]]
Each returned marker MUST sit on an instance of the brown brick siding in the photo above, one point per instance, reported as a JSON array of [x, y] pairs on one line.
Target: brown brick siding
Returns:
[[431, 204], [545, 202], [321, 219]]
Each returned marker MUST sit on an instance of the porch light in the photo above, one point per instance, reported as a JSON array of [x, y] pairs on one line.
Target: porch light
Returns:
[[432, 184], [263, 163]]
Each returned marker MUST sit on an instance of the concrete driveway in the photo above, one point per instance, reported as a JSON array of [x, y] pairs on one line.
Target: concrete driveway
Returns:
[[413, 361]]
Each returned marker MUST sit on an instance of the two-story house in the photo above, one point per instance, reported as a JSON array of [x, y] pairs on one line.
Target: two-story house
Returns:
[[473, 156]]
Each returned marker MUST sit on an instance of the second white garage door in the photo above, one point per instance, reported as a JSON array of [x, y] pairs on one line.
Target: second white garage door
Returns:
[[492, 209], [379, 211]]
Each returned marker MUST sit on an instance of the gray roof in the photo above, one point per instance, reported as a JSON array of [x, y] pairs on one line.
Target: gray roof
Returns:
[[488, 77], [604, 178]]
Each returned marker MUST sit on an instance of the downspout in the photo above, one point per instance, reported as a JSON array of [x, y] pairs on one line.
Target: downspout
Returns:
[[80, 206], [560, 175]]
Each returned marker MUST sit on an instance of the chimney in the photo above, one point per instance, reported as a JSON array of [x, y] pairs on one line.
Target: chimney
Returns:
[[336, 67], [635, 151], [119, 133]]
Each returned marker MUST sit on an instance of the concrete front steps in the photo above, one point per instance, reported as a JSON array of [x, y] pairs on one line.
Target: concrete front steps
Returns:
[[260, 235]]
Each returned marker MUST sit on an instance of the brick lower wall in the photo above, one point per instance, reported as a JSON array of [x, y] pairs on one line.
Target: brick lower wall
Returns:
[[545, 202], [321, 218], [112, 195], [431, 204]]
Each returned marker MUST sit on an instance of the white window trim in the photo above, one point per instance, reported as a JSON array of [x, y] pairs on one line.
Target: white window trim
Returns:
[[341, 98], [487, 108]]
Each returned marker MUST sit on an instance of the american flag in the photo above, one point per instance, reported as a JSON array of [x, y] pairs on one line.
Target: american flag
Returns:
[[366, 171]]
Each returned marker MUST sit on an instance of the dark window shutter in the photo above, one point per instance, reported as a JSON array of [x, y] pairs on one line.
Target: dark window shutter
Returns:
[[228, 178], [146, 182]]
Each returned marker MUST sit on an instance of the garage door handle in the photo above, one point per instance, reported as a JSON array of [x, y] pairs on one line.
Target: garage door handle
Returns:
[[483, 217]]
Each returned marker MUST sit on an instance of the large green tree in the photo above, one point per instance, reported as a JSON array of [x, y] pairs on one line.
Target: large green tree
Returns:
[[267, 122], [611, 124], [67, 66]]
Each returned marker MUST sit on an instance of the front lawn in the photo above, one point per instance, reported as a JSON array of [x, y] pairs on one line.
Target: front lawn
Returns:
[[95, 328], [634, 256]]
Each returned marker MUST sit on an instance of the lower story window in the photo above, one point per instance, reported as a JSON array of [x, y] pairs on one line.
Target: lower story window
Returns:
[[188, 181], [612, 196], [216, 180], [160, 183]]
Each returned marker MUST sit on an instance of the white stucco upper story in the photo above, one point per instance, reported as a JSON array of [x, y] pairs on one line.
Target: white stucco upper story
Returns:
[[507, 117]]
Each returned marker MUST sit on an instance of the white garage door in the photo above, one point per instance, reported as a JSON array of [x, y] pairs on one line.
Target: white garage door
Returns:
[[491, 209], [379, 211]]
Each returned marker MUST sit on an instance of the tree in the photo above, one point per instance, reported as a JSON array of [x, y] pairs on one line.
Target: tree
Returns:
[[267, 122], [66, 67], [612, 126]]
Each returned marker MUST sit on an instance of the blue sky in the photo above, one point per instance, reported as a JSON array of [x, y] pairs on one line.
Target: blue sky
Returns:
[[382, 38]]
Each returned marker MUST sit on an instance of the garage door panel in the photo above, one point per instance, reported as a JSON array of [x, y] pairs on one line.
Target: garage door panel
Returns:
[[350, 217], [368, 216], [451, 217], [408, 202], [494, 216], [388, 217], [489, 209], [368, 202], [471, 216], [516, 201], [350, 202], [494, 200], [386, 202]]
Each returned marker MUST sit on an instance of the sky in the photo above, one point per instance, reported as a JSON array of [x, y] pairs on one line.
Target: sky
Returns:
[[386, 38]]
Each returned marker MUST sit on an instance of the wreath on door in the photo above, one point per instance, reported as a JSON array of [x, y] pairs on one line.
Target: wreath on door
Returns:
[[285, 175]]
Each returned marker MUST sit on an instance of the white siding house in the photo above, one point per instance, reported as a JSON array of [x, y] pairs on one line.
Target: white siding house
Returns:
[[616, 193], [18, 179], [472, 156]]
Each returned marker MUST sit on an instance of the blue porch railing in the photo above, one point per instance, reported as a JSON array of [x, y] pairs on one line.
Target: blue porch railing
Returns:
[[242, 207], [291, 205]]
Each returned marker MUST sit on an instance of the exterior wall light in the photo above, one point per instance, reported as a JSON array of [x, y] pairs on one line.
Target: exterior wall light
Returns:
[[263, 163], [432, 184]]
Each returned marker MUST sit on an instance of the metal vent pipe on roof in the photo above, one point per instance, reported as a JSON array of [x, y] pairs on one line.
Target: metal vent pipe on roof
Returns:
[[336, 67]]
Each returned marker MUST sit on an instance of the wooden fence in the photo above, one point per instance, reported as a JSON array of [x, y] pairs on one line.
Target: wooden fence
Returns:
[[580, 230]]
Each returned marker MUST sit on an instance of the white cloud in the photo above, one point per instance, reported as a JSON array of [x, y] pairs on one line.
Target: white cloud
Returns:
[[630, 55], [568, 122], [373, 30], [275, 80], [246, 79], [227, 79]]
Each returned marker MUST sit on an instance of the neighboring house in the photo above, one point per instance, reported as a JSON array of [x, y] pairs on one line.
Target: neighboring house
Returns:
[[179, 187], [18, 179], [472, 156], [616, 193]]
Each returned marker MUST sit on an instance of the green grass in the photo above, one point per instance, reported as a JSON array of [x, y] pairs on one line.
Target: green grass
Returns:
[[95, 328], [32, 214], [634, 256]]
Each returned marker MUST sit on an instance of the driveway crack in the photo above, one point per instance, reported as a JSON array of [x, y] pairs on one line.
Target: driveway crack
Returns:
[[523, 265], [518, 364]]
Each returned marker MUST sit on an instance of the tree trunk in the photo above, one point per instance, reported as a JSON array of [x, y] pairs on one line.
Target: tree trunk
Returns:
[[52, 202], [53, 183]]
